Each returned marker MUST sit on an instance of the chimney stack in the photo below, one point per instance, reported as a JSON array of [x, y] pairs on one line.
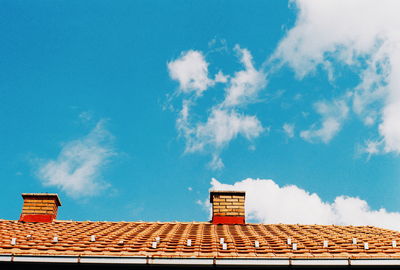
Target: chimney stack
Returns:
[[227, 207], [39, 207]]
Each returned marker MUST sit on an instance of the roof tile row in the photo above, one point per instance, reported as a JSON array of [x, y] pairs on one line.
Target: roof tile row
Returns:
[[136, 238]]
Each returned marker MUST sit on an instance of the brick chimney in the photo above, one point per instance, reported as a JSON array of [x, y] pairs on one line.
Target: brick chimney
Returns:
[[227, 207], [39, 207]]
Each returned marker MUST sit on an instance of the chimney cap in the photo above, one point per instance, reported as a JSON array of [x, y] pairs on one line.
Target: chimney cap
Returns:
[[55, 195], [226, 192]]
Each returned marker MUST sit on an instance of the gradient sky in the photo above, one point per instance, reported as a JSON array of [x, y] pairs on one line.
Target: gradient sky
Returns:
[[129, 109]]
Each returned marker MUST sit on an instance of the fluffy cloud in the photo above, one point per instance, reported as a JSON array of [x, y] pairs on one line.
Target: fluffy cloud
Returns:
[[333, 114], [362, 34], [224, 121], [191, 71], [77, 168], [268, 202]]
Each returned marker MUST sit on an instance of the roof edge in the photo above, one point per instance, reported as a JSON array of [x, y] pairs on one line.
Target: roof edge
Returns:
[[199, 261]]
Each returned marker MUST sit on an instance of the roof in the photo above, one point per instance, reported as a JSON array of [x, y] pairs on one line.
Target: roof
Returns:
[[89, 238]]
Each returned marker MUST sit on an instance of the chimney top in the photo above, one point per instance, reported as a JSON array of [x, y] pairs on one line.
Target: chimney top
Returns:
[[227, 207], [41, 195], [226, 192], [39, 207]]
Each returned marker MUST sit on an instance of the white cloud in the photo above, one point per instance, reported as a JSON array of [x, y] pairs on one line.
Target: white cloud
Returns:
[[329, 127], [223, 121], [220, 77], [221, 127], [246, 84], [362, 34], [288, 129], [333, 114], [267, 202], [372, 147], [216, 162], [390, 127], [191, 71], [77, 168]]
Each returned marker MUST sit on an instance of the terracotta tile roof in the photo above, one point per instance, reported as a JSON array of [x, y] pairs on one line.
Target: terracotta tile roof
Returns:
[[136, 239]]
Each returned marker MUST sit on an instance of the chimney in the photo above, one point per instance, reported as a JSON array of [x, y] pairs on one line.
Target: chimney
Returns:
[[39, 207], [227, 207]]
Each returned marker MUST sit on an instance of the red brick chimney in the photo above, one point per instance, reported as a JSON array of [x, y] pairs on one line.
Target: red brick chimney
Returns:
[[227, 207], [39, 207]]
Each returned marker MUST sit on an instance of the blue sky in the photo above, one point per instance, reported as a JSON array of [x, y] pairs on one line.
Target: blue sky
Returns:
[[133, 110]]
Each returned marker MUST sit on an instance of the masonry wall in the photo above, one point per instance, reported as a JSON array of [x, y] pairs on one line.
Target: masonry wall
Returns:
[[40, 206], [228, 205]]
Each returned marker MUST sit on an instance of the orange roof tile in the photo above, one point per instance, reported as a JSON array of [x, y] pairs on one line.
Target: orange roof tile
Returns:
[[136, 239]]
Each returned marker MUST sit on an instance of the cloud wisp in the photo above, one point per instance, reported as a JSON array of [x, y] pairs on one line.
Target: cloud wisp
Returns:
[[225, 119], [77, 168], [362, 35], [288, 129], [267, 202], [332, 115], [245, 85]]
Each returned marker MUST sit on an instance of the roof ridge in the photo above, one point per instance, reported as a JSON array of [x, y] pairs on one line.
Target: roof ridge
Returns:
[[207, 222]]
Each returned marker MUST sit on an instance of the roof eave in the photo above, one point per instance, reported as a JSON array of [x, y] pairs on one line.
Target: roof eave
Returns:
[[198, 261]]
